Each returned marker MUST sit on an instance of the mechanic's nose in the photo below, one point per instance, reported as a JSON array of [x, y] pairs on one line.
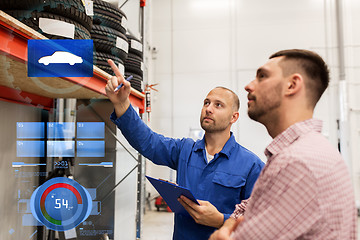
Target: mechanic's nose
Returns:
[[209, 108]]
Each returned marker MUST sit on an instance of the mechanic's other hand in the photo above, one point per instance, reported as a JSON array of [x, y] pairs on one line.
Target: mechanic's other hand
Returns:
[[205, 213]]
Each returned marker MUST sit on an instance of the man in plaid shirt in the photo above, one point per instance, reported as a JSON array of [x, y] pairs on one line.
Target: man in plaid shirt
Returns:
[[304, 190]]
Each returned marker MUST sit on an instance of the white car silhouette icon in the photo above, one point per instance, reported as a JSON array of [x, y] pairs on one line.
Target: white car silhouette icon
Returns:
[[61, 57]]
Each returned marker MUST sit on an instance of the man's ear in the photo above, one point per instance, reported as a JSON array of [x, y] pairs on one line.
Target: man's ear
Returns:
[[294, 84], [234, 117]]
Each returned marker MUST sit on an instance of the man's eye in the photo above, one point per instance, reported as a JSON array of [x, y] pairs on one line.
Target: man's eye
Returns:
[[261, 75], [218, 105], [206, 103]]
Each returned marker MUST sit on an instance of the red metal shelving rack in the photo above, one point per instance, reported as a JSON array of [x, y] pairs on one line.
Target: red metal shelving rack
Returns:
[[16, 86]]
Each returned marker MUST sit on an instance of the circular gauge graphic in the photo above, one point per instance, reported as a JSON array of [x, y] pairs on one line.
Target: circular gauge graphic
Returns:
[[61, 204]]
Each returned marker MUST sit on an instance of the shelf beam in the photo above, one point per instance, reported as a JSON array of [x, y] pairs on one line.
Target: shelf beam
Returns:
[[13, 53]]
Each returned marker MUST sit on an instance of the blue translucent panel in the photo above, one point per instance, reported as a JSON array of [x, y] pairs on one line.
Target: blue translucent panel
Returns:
[[24, 206], [29, 220], [61, 130], [61, 148], [30, 130], [102, 164], [30, 148], [90, 130], [96, 208], [60, 58], [22, 164], [92, 192], [90, 149]]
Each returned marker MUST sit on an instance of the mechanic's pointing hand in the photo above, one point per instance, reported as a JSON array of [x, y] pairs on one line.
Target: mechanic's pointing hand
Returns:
[[120, 98]]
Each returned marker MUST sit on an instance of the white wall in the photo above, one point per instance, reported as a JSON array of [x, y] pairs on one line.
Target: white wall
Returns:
[[201, 44], [352, 67]]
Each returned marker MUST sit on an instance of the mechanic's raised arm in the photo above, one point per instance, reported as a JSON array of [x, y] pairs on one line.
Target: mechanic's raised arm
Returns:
[[159, 149]]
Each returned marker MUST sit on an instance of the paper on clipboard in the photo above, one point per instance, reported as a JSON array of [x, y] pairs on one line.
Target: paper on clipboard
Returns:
[[170, 193]]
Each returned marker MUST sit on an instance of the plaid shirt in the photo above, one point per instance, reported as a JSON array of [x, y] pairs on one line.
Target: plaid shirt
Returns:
[[240, 209], [303, 192]]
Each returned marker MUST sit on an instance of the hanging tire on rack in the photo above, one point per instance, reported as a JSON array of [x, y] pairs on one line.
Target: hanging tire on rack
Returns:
[[134, 64], [136, 82], [32, 19], [109, 40], [108, 15], [135, 46], [71, 9], [100, 60], [109, 70]]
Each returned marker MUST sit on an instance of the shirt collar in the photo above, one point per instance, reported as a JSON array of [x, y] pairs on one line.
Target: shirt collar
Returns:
[[226, 150], [288, 136]]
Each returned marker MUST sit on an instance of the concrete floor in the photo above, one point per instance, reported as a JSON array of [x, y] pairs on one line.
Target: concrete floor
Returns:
[[157, 225]]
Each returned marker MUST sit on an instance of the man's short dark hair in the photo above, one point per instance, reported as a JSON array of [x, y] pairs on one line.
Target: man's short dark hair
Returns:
[[312, 65]]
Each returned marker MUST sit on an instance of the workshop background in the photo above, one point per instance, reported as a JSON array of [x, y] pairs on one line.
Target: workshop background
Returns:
[[182, 49], [197, 45]]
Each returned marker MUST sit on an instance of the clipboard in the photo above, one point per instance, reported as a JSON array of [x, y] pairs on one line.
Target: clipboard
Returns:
[[170, 192]]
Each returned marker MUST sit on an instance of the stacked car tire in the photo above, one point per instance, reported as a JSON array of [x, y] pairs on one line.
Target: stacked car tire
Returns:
[[107, 28], [69, 11], [134, 63], [108, 33]]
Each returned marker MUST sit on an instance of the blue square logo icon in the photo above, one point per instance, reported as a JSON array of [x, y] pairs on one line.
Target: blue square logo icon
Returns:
[[60, 58]]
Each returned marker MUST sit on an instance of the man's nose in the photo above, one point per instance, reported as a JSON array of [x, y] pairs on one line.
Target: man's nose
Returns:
[[250, 86], [209, 108]]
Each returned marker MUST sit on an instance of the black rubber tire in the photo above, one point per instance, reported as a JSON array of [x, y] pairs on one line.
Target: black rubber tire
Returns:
[[31, 18], [107, 68], [134, 45], [133, 64], [136, 81], [127, 74], [105, 41], [72, 9], [101, 58], [107, 15], [137, 84]]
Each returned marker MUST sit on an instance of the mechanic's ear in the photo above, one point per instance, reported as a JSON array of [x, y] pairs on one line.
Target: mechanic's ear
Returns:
[[234, 117]]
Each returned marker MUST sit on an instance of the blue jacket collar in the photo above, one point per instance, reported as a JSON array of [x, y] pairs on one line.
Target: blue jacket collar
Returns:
[[200, 145]]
